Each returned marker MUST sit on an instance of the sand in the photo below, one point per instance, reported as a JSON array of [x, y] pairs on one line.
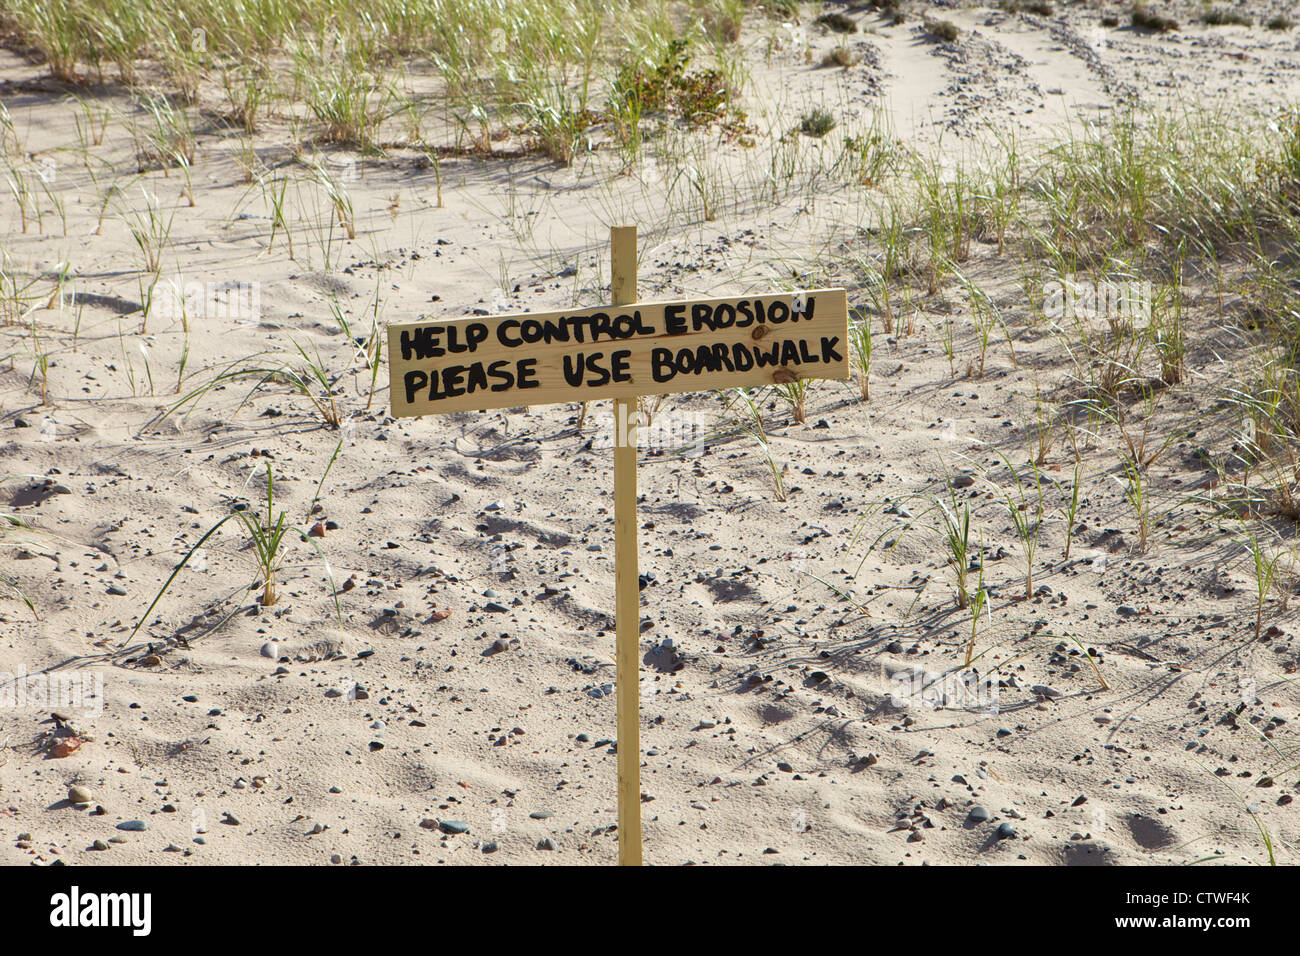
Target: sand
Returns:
[[460, 711]]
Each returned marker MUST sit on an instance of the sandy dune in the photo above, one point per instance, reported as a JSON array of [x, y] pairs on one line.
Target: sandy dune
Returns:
[[777, 645]]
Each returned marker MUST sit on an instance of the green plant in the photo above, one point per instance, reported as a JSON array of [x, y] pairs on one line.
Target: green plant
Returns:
[[1027, 519], [273, 195], [345, 97], [557, 121], [860, 341], [838, 22], [169, 141], [338, 198], [944, 30], [1167, 334], [1261, 831], [151, 229], [1137, 494], [1038, 7], [866, 157], [21, 188], [1265, 567], [267, 540], [10, 524], [1073, 509], [955, 527], [795, 394], [245, 87], [1223, 16], [817, 122], [752, 425], [840, 55], [1040, 433], [978, 604], [310, 379], [1144, 19]]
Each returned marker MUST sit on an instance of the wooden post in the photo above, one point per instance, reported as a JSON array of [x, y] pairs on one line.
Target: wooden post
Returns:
[[627, 593]]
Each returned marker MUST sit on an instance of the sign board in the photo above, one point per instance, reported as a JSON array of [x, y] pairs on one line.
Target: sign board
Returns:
[[620, 351], [652, 348]]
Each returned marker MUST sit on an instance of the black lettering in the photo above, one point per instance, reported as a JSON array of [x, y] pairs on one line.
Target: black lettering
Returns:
[[475, 333], [674, 324], [661, 360], [477, 375], [556, 331], [451, 381], [414, 380], [829, 354], [768, 357], [505, 327], [422, 342], [501, 370], [619, 362], [573, 370], [746, 314], [527, 376], [778, 312], [596, 369], [700, 315], [703, 360]]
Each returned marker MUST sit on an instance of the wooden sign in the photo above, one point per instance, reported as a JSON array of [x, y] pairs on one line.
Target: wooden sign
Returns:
[[621, 351], [652, 348]]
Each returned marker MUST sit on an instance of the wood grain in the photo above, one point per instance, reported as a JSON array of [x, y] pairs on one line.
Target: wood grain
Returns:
[[621, 351]]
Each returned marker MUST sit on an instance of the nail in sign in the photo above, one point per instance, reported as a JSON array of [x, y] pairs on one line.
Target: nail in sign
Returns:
[[652, 348]]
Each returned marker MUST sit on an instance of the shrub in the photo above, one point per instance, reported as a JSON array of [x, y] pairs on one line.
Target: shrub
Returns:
[[943, 29], [1144, 19], [817, 123]]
